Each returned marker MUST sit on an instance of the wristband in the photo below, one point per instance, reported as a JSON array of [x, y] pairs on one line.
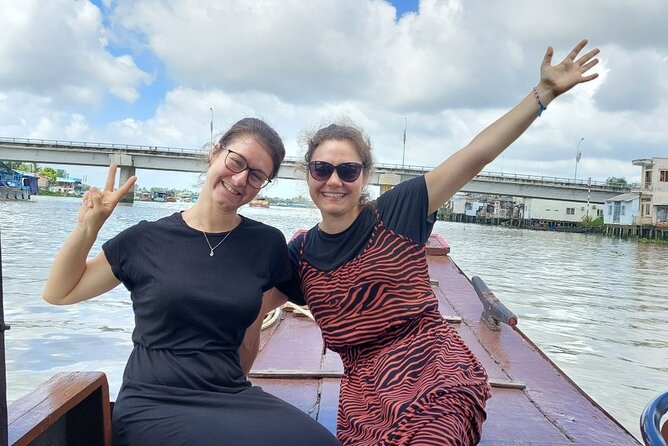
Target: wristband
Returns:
[[540, 104]]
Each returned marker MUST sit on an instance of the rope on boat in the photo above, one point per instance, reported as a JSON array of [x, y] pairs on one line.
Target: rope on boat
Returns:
[[271, 317], [299, 309]]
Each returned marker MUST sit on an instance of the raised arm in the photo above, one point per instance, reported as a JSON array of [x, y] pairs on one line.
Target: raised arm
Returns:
[[72, 277], [451, 175]]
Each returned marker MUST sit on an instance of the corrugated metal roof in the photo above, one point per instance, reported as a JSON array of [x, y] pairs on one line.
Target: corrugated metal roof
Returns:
[[623, 197]]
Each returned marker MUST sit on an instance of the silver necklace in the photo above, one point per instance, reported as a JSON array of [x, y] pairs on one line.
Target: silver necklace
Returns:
[[212, 248]]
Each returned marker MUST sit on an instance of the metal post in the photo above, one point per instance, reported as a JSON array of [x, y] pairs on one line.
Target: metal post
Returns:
[[4, 436], [578, 155], [211, 109], [403, 158], [588, 197]]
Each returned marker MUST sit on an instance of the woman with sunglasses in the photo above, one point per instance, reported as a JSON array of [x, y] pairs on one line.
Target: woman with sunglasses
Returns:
[[200, 284], [408, 377]]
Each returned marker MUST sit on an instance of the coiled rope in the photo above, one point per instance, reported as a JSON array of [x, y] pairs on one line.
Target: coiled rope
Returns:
[[275, 314]]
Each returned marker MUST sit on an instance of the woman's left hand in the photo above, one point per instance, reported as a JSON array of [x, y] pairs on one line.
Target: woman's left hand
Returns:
[[562, 77]]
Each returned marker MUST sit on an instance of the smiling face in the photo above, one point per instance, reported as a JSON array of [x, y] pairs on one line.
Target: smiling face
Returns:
[[337, 200], [229, 190]]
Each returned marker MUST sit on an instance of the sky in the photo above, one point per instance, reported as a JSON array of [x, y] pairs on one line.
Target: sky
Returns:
[[159, 72]]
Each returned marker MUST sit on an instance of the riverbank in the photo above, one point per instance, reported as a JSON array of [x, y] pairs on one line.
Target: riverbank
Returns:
[[640, 234]]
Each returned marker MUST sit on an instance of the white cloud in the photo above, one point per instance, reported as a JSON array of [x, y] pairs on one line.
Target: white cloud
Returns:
[[449, 70], [56, 50]]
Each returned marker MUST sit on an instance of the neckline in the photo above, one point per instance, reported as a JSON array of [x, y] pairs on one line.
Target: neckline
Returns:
[[199, 231], [333, 235]]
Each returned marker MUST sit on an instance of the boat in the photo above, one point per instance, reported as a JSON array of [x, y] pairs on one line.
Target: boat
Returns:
[[186, 197], [259, 203], [533, 401], [159, 196], [10, 190], [15, 185]]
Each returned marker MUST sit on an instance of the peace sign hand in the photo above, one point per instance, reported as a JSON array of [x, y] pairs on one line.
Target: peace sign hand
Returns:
[[570, 72], [98, 205]]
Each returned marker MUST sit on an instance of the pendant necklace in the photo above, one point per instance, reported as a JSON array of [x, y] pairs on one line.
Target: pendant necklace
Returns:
[[212, 248]]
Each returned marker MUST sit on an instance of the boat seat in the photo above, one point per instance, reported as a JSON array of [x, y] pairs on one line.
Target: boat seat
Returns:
[[71, 408], [650, 421]]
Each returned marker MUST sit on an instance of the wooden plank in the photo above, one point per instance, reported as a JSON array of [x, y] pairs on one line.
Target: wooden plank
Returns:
[[81, 397], [295, 374], [296, 340], [322, 374]]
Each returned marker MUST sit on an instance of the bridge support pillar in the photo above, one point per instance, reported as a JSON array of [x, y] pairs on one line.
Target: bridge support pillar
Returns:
[[124, 161], [388, 181]]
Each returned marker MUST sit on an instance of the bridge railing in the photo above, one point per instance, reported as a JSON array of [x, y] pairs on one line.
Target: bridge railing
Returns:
[[500, 176], [514, 178], [97, 145]]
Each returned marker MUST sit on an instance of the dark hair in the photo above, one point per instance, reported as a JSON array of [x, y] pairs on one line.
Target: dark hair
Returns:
[[260, 130], [342, 132]]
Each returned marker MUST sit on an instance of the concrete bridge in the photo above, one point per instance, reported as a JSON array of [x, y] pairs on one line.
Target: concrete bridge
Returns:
[[132, 157]]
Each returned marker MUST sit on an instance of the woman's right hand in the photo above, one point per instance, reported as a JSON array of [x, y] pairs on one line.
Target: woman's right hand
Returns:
[[98, 205]]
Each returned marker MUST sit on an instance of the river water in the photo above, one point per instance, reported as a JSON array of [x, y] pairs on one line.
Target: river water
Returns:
[[598, 307]]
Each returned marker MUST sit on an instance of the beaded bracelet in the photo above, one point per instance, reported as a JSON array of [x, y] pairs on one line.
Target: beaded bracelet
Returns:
[[540, 104]]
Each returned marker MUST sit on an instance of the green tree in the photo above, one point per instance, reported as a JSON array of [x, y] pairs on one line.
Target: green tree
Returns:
[[48, 172], [23, 167], [614, 181]]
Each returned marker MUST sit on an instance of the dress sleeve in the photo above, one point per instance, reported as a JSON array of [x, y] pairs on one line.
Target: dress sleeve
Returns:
[[118, 251], [292, 287], [403, 209], [282, 269]]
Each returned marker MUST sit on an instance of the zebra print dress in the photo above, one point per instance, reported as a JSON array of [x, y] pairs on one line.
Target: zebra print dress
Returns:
[[408, 376]]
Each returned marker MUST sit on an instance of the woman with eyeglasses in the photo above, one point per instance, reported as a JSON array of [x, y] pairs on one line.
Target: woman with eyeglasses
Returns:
[[408, 376], [200, 283]]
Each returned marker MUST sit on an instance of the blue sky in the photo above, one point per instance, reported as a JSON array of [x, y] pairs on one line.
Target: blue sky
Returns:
[[149, 72]]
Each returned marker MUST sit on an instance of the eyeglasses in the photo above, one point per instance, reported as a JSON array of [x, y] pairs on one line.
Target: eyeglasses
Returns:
[[347, 172], [237, 164]]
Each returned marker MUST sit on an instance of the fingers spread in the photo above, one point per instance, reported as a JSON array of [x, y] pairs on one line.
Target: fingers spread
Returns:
[[575, 51], [111, 178], [125, 188], [582, 60], [590, 77], [586, 67]]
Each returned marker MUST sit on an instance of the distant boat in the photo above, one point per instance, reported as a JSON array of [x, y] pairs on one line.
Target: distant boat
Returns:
[[11, 190], [159, 196], [259, 203], [186, 197]]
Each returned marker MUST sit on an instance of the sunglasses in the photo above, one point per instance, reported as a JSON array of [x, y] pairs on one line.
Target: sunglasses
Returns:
[[347, 172]]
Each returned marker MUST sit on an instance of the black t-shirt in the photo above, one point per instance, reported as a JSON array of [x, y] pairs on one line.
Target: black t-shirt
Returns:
[[403, 209], [185, 300]]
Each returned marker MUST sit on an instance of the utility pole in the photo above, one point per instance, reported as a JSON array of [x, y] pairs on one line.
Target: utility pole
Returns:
[[403, 158], [578, 155], [211, 109]]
